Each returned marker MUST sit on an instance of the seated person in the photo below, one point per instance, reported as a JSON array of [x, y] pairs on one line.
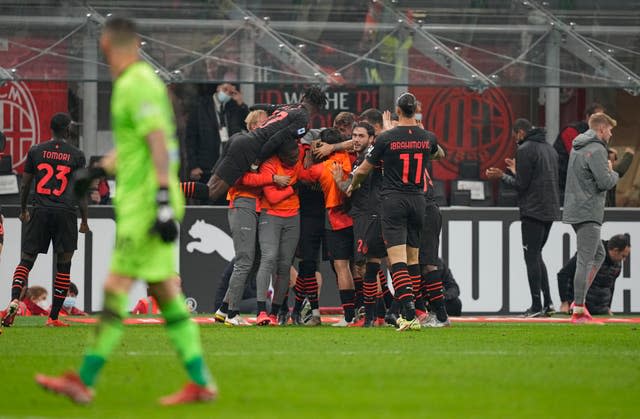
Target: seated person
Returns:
[[69, 305], [452, 300], [147, 305], [248, 300], [34, 302], [600, 292]]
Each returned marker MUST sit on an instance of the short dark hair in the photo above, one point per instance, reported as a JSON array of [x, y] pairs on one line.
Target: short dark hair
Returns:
[[330, 136], [372, 116], [315, 96], [521, 124], [367, 126], [288, 148], [59, 123], [407, 103], [122, 30], [619, 242], [73, 289], [591, 109]]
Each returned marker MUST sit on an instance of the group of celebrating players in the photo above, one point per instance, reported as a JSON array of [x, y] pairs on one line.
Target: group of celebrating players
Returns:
[[361, 189], [299, 188], [355, 194]]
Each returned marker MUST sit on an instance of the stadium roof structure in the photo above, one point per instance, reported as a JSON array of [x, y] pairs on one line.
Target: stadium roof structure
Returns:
[[473, 43]]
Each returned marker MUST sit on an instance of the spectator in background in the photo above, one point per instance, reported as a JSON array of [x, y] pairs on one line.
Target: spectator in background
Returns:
[[99, 192], [34, 302], [621, 168], [214, 119], [69, 303], [601, 290], [589, 176], [564, 141], [147, 305], [451, 290], [535, 178]]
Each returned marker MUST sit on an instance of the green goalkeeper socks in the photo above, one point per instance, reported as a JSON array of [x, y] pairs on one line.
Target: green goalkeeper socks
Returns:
[[185, 336], [108, 334]]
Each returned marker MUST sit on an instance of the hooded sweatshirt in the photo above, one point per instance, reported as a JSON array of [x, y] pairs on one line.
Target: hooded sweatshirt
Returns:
[[536, 178], [588, 180]]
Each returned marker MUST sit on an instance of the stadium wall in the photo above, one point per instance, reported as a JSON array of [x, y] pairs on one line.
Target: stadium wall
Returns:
[[482, 246]]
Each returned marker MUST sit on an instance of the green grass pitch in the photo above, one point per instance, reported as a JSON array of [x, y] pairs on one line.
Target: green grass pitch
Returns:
[[468, 371]]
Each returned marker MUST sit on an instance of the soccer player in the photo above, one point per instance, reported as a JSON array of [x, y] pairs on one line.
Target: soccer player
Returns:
[[338, 228], [147, 206], [403, 152], [430, 286], [286, 123], [361, 207], [312, 240], [53, 218]]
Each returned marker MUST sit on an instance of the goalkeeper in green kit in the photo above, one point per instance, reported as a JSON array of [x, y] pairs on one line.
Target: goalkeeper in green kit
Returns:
[[148, 204]]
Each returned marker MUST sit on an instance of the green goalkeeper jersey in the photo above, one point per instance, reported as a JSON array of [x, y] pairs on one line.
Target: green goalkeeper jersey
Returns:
[[140, 105]]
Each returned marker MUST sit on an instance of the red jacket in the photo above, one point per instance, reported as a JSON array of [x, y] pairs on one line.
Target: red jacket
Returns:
[[73, 312], [147, 305], [32, 309], [281, 202]]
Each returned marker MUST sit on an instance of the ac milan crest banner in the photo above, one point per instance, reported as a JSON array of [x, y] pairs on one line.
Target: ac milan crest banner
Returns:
[[26, 109]]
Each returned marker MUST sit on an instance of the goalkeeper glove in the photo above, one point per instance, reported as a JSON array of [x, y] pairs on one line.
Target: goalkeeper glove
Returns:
[[165, 224]]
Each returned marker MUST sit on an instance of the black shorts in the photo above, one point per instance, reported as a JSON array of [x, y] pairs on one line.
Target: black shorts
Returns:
[[430, 238], [311, 238], [242, 153], [360, 224], [47, 225], [375, 247], [402, 219], [339, 243]]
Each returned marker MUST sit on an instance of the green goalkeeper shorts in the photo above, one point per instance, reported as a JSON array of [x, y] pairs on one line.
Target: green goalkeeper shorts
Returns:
[[144, 256]]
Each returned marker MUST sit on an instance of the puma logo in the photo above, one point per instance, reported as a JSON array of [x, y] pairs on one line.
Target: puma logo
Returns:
[[210, 239]]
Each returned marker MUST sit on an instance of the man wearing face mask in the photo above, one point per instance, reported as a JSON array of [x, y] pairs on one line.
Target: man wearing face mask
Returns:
[[69, 304], [535, 177], [217, 116]]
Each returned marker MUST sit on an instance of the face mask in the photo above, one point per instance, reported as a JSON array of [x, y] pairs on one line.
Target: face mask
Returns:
[[223, 97], [69, 302], [42, 304], [418, 117]]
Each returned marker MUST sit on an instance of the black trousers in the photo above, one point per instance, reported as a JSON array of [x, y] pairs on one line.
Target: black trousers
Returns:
[[534, 236]]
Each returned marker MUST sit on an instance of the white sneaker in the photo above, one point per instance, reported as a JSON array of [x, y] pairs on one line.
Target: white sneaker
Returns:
[[430, 317], [236, 321], [341, 323], [434, 322]]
